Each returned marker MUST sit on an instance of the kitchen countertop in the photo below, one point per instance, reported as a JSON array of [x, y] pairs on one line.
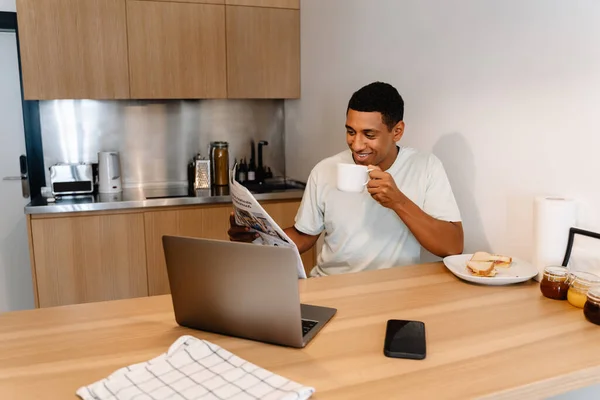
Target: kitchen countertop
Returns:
[[500, 342], [158, 197]]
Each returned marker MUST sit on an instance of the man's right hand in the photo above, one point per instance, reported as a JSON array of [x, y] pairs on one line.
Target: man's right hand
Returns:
[[238, 233]]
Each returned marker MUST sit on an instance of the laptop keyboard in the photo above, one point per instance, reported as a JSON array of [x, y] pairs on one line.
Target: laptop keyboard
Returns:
[[307, 325]]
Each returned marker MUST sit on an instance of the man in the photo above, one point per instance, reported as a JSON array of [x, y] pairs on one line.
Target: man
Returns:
[[408, 203]]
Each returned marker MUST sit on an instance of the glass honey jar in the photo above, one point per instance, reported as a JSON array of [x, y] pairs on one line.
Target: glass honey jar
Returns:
[[554, 283], [579, 284], [591, 309]]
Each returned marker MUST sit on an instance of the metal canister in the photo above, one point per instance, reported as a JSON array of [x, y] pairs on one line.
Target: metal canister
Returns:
[[219, 160]]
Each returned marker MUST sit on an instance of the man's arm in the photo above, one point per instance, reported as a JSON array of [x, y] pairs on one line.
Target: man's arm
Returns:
[[303, 241], [441, 238], [239, 233]]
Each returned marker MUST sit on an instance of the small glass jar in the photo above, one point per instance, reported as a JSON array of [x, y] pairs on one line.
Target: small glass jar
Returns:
[[579, 284], [591, 309], [554, 283]]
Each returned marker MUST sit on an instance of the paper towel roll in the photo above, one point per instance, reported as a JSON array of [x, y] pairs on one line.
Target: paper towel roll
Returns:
[[552, 219]]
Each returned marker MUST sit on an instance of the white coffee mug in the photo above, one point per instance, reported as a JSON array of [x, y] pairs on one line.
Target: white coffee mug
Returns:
[[352, 177]]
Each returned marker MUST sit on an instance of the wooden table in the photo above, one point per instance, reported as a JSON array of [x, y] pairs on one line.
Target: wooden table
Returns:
[[501, 342]]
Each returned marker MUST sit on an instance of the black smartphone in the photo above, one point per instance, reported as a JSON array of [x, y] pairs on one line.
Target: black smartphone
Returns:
[[405, 339]]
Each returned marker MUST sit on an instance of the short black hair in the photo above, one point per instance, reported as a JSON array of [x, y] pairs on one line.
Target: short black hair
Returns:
[[379, 97]]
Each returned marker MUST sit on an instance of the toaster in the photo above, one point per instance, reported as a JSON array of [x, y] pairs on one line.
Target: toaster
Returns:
[[69, 179]]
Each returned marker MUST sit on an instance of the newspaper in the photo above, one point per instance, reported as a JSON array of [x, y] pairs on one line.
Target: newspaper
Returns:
[[248, 212]]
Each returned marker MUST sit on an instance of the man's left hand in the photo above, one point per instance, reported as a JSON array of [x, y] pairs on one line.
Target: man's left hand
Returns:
[[383, 189]]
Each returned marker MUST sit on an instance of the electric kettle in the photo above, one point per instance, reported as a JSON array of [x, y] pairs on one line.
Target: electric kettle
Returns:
[[109, 172]]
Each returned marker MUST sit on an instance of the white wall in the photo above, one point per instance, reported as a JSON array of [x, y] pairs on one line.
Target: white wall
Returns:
[[16, 289], [8, 5], [505, 93]]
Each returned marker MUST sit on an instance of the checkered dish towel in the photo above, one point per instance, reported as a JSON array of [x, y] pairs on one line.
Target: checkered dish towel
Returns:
[[194, 369]]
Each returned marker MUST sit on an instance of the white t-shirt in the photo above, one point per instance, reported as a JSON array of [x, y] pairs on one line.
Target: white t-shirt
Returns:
[[361, 234]]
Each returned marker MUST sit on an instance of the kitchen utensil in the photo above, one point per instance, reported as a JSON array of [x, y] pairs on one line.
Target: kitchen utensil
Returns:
[[202, 173], [109, 172], [260, 170]]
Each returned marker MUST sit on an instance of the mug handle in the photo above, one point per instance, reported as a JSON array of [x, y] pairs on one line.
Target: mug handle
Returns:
[[368, 170]]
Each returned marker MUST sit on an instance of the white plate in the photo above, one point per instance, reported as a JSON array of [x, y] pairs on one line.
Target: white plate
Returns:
[[519, 271]]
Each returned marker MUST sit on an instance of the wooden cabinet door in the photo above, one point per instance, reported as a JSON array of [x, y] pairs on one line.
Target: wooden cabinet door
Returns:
[[294, 4], [73, 49], [210, 222], [192, 1], [176, 50], [89, 258], [263, 52]]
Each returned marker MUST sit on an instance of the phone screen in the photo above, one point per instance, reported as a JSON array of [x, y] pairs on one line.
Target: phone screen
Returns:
[[405, 339]]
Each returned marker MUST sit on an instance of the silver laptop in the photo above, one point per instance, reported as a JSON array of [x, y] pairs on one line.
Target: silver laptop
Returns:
[[240, 289]]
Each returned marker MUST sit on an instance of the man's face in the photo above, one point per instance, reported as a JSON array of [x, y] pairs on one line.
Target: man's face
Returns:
[[370, 140]]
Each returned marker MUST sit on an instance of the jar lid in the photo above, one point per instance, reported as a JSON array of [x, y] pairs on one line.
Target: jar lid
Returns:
[[585, 277], [219, 144], [594, 294], [555, 271]]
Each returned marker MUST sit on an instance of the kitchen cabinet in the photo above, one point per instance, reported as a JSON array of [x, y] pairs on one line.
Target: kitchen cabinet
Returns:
[[73, 49], [176, 50], [80, 259], [294, 4], [159, 49], [210, 222], [107, 255], [207, 222], [192, 1], [263, 52]]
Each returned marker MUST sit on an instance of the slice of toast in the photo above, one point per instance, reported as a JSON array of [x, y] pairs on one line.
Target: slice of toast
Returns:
[[499, 260], [481, 256], [482, 268]]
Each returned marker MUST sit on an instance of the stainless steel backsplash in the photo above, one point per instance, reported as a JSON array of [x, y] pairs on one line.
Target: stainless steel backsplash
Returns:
[[157, 139]]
